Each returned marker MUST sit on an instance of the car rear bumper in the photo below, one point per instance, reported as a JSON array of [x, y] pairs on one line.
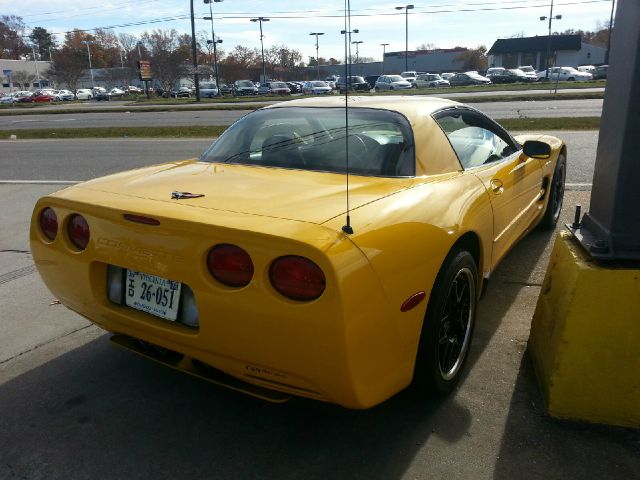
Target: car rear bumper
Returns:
[[342, 347]]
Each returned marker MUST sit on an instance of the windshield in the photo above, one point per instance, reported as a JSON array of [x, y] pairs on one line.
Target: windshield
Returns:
[[527, 69], [245, 83], [319, 84], [396, 78], [380, 142]]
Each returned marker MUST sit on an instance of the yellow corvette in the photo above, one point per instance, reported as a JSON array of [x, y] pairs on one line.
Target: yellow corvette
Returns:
[[264, 267]]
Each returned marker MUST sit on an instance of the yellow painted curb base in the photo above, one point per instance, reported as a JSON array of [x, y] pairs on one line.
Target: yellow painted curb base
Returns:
[[585, 338]]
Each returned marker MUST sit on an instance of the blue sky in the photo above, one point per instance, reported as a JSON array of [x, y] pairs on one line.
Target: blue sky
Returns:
[[441, 22]]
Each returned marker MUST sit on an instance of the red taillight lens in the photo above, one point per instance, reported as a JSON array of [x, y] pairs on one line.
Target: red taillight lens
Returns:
[[297, 278], [49, 223], [78, 230], [230, 265]]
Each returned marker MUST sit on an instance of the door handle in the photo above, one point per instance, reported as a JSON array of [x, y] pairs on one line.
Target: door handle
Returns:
[[497, 186]]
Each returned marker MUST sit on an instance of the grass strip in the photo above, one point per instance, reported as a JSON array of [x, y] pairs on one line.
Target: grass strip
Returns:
[[512, 124], [528, 98]]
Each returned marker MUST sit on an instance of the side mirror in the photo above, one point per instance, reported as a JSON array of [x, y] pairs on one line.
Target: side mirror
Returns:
[[535, 149]]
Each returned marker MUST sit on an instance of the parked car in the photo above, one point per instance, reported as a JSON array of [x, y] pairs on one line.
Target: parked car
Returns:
[[274, 88], [14, 96], [586, 68], [43, 96], [23, 97], [410, 76], [530, 72], [431, 80], [226, 89], [494, 71], [84, 94], [447, 75], [512, 75], [101, 94], [356, 84], [244, 87], [564, 74], [209, 89], [133, 89], [391, 82], [294, 87], [600, 72], [252, 277], [371, 80], [178, 92], [468, 78], [64, 95], [317, 87], [116, 93]]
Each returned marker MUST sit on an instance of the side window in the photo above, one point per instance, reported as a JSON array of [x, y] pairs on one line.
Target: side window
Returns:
[[475, 139]]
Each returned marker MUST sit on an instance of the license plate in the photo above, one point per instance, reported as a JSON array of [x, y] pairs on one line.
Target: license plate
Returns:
[[155, 295]]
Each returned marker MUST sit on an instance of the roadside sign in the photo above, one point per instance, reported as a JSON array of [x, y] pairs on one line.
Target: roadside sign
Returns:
[[144, 70], [7, 73]]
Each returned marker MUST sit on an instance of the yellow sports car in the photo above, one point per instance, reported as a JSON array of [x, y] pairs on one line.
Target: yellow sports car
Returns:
[[314, 250]]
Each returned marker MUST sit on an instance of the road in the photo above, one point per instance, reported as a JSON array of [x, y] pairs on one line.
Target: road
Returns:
[[83, 159], [554, 108]]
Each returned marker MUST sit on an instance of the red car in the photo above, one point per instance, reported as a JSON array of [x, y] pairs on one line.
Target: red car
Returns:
[[27, 98], [43, 96]]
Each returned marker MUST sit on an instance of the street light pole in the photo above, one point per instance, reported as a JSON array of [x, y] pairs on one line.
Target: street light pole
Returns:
[[384, 52], [357, 43], [406, 9], [87, 43], [260, 20], [317, 55], [194, 54], [551, 18], [213, 40], [139, 54]]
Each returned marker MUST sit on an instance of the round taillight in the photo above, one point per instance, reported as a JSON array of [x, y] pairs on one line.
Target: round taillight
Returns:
[[297, 278], [78, 231], [230, 265], [49, 223]]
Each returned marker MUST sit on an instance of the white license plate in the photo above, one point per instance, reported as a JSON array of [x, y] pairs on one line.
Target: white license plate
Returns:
[[155, 295]]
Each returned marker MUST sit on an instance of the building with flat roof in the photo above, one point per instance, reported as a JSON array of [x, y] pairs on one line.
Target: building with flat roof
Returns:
[[565, 51], [36, 73]]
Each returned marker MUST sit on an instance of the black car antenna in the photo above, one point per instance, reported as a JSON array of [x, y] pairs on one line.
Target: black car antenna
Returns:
[[347, 80]]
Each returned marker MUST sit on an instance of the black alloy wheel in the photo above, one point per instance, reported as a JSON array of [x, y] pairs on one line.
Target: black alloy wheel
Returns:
[[556, 195], [448, 326]]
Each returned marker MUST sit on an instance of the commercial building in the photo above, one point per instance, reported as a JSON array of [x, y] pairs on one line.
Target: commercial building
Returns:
[[23, 71], [565, 51]]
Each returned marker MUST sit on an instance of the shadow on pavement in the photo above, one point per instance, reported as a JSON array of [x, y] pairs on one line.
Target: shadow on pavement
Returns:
[[98, 412]]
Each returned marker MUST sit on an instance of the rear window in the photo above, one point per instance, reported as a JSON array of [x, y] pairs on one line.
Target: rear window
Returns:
[[380, 142]]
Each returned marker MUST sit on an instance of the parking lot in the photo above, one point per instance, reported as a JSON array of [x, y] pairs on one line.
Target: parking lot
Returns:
[[77, 407]]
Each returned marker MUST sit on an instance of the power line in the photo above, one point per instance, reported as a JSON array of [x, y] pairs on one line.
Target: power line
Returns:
[[310, 14]]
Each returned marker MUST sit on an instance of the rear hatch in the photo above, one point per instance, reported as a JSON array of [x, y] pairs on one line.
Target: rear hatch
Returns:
[[299, 195]]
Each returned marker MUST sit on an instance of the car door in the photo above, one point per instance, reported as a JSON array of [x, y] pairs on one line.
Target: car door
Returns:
[[512, 180]]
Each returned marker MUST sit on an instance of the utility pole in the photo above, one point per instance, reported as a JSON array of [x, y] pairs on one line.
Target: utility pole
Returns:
[[317, 55], [551, 18], [35, 62], [194, 54], [260, 20], [606, 55]]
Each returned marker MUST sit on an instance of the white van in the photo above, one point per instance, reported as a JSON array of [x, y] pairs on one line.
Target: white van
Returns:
[[208, 89]]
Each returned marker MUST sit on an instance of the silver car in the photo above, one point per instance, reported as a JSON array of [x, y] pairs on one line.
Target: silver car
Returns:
[[392, 82]]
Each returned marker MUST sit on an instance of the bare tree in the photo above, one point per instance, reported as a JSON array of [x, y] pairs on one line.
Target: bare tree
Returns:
[[170, 56], [427, 46]]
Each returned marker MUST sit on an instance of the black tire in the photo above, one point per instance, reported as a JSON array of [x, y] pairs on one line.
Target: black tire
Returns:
[[556, 195], [571, 79], [444, 344]]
